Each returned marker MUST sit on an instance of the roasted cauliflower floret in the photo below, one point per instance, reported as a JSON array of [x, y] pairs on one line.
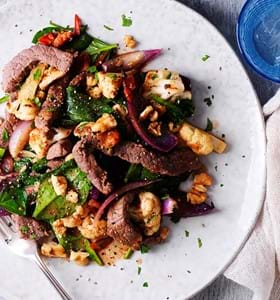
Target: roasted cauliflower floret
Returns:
[[72, 196], [58, 227], [50, 75], [129, 41], [39, 142], [52, 249], [109, 83], [79, 257], [59, 184], [166, 84], [93, 230], [147, 212], [201, 142]]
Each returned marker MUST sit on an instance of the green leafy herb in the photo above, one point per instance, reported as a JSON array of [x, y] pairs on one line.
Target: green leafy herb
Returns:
[[205, 57], [108, 27], [145, 284], [33, 236], [2, 152], [208, 101], [37, 101], [13, 199], [92, 254], [169, 75], [98, 46], [139, 270], [221, 185], [5, 135], [209, 126], [4, 99], [113, 76], [137, 172], [178, 111], [80, 107], [154, 76], [199, 242], [82, 41], [128, 253], [23, 162], [24, 229], [187, 234], [144, 248], [92, 69], [40, 165], [61, 28], [126, 21], [37, 74]]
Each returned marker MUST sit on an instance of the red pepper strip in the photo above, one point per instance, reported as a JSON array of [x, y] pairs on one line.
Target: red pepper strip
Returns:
[[47, 39], [77, 26]]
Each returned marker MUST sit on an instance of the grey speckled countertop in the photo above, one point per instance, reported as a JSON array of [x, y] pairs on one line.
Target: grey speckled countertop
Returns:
[[224, 14]]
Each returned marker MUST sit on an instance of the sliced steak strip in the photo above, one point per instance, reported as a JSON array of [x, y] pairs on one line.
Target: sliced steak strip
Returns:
[[79, 80], [16, 70], [29, 228], [55, 163], [52, 106], [174, 163], [84, 157], [119, 226], [59, 149]]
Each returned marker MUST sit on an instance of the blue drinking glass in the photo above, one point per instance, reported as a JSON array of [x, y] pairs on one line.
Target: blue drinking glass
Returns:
[[258, 35]]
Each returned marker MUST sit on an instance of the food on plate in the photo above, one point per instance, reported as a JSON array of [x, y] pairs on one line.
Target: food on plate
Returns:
[[93, 149]]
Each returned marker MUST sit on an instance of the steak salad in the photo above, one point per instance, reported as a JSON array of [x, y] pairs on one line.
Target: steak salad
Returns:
[[93, 149]]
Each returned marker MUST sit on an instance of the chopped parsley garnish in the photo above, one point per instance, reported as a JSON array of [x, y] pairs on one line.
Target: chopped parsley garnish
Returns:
[[199, 242], [187, 234], [144, 248], [221, 185], [154, 76], [113, 76], [145, 284], [97, 47], [209, 126], [24, 229], [128, 253], [5, 135], [169, 75], [126, 21], [2, 152], [205, 57], [33, 236], [37, 74], [216, 168], [208, 101], [139, 270], [4, 99], [92, 69], [37, 102], [108, 27]]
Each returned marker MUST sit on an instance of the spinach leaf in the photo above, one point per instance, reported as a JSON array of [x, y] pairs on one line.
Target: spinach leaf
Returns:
[[50, 206], [40, 165], [81, 42], [14, 199], [81, 108], [80, 183], [98, 46], [178, 111], [137, 172], [53, 28], [19, 164]]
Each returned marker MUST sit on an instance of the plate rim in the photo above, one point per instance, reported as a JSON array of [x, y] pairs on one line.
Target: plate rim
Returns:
[[262, 133]]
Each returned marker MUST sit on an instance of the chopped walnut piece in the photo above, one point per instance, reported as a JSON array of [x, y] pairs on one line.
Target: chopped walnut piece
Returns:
[[155, 128], [52, 249], [129, 41], [197, 194], [79, 257]]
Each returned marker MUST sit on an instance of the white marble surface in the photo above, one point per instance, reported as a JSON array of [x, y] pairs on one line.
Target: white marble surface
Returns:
[[216, 291]]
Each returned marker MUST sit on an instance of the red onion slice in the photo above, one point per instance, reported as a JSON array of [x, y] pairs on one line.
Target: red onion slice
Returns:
[[126, 188], [130, 60], [20, 137], [168, 206], [164, 143]]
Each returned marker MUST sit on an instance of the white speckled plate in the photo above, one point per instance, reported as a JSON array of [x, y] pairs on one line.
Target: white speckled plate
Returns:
[[178, 268]]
